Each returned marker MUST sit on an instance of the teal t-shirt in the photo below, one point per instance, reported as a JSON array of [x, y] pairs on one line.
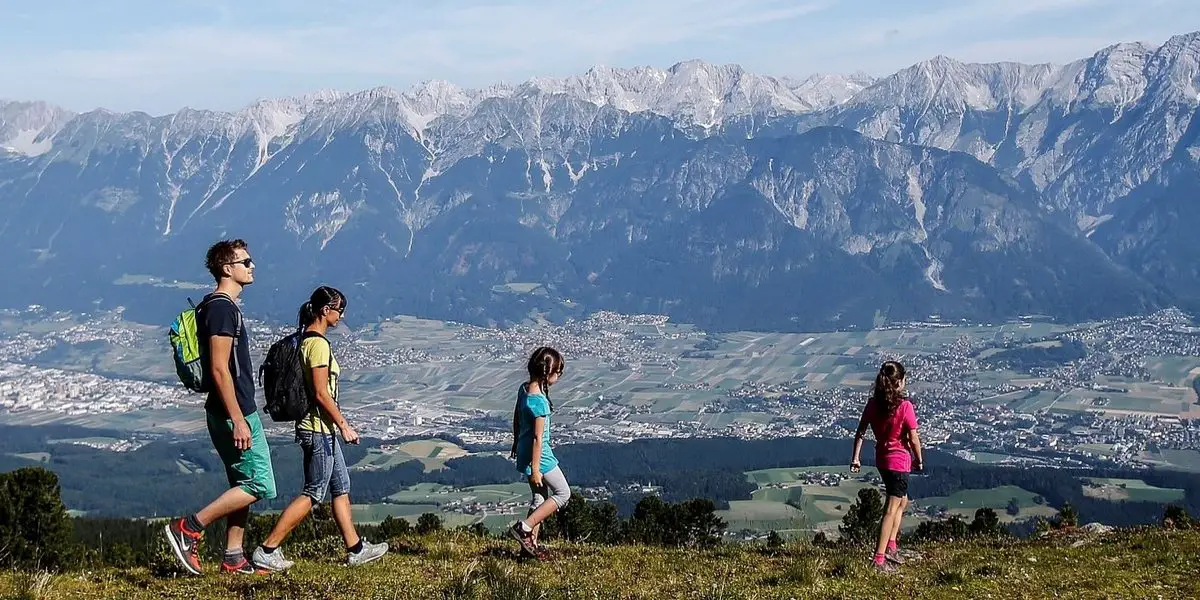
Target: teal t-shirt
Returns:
[[529, 408]]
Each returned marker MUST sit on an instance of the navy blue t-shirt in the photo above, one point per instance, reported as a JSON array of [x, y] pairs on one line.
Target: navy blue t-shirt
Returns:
[[218, 315]]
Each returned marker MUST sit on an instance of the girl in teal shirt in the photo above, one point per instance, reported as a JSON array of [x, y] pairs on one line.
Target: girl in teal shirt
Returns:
[[531, 447]]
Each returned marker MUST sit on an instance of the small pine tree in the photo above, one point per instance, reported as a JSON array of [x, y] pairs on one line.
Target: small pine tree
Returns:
[[1067, 517], [861, 522], [1014, 507], [1042, 525], [391, 527], [954, 528], [1176, 517], [653, 523], [428, 523], [986, 523], [606, 523], [700, 525], [35, 530], [476, 529], [572, 522]]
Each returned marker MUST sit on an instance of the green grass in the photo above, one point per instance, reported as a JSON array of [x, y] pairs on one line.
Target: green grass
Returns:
[[791, 474], [1126, 564], [422, 493], [375, 513], [762, 516], [966, 502], [1182, 460], [432, 493], [1132, 490], [996, 498], [778, 494]]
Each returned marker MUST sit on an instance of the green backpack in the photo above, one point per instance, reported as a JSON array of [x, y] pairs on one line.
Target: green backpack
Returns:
[[185, 346]]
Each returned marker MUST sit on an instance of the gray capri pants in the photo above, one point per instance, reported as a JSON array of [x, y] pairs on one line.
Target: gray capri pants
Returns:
[[554, 487]]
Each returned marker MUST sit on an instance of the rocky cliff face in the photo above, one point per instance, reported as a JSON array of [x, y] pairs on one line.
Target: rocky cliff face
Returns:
[[702, 191]]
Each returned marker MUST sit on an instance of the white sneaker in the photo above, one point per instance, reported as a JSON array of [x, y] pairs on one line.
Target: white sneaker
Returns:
[[370, 552], [271, 562]]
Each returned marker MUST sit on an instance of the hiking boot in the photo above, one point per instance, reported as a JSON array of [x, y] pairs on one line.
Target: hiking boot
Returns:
[[525, 537], [894, 557], [274, 561], [884, 567], [183, 545], [370, 552], [242, 567]]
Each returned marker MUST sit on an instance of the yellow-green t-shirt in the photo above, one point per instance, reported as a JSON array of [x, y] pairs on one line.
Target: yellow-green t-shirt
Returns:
[[315, 352]]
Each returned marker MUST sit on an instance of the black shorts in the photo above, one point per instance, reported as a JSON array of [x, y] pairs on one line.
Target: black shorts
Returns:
[[895, 482]]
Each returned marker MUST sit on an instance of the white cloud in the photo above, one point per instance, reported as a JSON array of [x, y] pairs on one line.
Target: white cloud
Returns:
[[470, 43], [401, 42], [976, 16], [225, 54]]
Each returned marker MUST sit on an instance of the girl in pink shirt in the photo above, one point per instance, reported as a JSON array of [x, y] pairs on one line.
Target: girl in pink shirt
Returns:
[[891, 418]]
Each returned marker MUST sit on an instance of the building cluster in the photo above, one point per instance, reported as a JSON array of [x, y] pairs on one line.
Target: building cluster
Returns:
[[26, 387], [967, 401]]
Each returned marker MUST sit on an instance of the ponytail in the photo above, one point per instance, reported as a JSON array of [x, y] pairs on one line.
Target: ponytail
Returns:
[[886, 393], [306, 315], [322, 298]]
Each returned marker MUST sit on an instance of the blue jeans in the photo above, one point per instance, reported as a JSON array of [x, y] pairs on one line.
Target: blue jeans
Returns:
[[324, 466]]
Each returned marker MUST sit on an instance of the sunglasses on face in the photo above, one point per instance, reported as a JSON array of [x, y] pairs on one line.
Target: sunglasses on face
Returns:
[[245, 262]]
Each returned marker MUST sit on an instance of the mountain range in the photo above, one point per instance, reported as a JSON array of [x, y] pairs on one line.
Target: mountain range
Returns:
[[715, 195]]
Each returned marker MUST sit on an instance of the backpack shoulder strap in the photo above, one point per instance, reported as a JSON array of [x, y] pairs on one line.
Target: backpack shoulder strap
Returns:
[[223, 296]]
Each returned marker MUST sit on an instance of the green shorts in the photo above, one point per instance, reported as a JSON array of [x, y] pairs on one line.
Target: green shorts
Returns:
[[250, 470]]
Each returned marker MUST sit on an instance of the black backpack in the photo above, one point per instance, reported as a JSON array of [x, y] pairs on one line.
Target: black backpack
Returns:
[[282, 379]]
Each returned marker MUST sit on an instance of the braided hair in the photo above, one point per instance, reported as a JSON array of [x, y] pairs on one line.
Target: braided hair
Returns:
[[886, 393], [544, 362]]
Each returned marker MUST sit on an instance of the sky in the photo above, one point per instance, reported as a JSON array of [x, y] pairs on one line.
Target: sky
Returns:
[[161, 55]]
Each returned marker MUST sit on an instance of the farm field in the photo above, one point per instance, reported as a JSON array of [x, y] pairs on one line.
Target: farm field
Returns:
[[792, 474], [1182, 460], [966, 502], [440, 495], [819, 507], [763, 516], [1132, 490], [432, 454]]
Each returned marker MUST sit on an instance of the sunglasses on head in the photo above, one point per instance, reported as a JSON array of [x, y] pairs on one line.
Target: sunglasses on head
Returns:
[[245, 262]]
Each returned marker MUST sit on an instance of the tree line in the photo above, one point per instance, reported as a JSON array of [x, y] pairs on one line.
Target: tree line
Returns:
[[147, 482], [37, 532]]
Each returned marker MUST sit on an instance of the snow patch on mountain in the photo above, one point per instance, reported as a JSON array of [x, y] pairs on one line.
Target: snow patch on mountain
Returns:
[[29, 142], [693, 92], [823, 90], [28, 128]]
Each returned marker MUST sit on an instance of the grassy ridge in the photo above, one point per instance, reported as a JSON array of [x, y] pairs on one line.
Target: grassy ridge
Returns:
[[1145, 563]]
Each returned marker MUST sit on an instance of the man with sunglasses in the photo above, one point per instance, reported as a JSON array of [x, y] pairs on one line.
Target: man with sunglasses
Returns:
[[232, 415]]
